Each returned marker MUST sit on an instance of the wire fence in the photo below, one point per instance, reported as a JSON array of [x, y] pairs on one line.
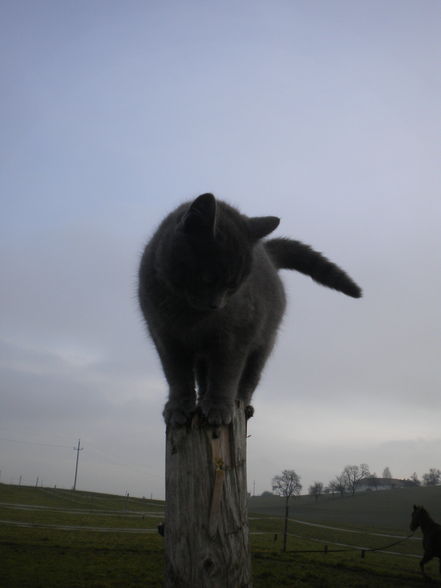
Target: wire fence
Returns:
[[345, 548], [327, 545], [362, 550]]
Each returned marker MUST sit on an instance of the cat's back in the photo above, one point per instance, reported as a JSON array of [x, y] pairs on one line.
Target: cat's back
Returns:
[[265, 283]]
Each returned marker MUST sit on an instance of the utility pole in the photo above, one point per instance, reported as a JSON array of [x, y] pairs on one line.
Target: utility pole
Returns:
[[77, 449]]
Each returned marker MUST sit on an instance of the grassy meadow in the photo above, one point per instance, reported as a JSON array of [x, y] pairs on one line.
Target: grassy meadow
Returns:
[[58, 538]]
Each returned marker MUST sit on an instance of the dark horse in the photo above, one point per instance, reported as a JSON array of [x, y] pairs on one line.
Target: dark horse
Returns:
[[431, 535]]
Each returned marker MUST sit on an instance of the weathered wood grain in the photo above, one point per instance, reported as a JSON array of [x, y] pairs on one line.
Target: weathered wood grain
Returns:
[[206, 524]]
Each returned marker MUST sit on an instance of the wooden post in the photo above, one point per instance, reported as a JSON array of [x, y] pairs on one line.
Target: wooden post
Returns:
[[206, 523], [285, 524]]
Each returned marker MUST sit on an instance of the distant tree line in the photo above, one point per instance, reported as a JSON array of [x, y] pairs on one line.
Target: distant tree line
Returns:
[[349, 479], [348, 482], [432, 478]]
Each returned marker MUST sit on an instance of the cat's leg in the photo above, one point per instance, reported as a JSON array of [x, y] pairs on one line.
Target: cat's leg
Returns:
[[201, 378], [251, 377], [177, 364], [223, 377]]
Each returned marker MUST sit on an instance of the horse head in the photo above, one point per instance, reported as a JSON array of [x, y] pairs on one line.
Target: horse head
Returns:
[[417, 514]]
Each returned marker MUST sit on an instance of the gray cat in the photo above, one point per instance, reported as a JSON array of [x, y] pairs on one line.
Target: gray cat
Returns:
[[212, 300]]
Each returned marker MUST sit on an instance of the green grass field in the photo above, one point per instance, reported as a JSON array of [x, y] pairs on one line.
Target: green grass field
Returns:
[[57, 538]]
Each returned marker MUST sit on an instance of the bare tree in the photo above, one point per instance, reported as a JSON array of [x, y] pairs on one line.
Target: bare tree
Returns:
[[286, 485], [316, 490], [415, 479], [386, 473], [354, 474], [338, 484], [432, 478]]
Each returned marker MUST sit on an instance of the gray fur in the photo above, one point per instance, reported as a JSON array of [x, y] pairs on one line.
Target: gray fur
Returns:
[[212, 300]]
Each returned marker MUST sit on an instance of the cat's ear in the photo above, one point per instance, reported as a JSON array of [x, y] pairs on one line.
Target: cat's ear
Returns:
[[261, 226], [200, 218]]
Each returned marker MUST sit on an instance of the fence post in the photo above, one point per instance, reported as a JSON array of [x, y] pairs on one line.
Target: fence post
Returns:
[[206, 523]]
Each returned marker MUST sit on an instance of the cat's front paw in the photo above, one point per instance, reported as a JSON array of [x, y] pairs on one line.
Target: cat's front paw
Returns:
[[219, 412], [177, 414]]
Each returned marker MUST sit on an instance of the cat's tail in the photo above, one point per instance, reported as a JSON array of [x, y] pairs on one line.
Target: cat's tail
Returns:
[[290, 254]]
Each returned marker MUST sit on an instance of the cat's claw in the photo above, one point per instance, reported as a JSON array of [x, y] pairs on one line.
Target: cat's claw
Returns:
[[249, 411]]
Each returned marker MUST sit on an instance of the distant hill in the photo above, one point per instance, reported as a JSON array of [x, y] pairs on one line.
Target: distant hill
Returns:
[[59, 498], [382, 508], [385, 509]]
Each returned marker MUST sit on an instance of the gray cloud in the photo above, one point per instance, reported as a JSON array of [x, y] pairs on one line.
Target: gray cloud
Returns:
[[112, 119]]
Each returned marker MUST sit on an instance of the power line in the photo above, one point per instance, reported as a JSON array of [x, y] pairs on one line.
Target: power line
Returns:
[[34, 443], [139, 466]]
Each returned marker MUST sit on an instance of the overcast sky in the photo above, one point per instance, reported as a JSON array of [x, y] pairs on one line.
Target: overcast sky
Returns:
[[325, 113]]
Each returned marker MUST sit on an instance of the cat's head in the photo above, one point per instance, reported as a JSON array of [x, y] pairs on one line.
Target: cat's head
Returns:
[[212, 251]]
